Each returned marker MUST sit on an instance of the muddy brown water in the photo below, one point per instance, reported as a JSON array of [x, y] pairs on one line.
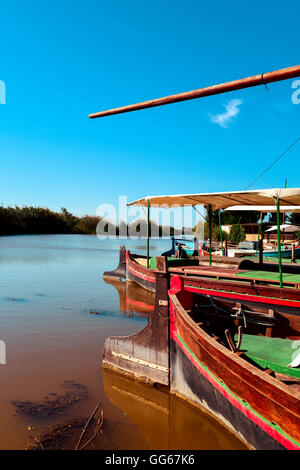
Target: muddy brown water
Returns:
[[55, 313]]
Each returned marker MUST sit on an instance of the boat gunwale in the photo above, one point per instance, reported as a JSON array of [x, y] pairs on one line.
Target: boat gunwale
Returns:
[[233, 282]]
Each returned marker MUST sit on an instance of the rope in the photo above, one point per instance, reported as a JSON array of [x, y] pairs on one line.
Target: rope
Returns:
[[143, 208], [204, 218], [273, 163], [264, 83]]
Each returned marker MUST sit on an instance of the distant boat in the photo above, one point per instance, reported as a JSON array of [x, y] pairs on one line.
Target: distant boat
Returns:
[[239, 253], [285, 253], [186, 246], [193, 247]]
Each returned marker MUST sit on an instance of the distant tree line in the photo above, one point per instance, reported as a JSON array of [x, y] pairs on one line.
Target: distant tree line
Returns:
[[39, 220], [36, 220]]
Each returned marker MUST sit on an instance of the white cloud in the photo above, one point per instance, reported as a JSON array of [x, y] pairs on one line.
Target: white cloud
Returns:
[[223, 119]]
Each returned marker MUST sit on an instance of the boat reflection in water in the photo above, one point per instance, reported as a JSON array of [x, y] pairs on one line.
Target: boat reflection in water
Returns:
[[134, 300], [165, 421]]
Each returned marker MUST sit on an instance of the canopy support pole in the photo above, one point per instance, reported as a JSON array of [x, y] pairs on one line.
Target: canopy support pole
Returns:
[[220, 226], [259, 232], [148, 231], [278, 239], [283, 215], [210, 231]]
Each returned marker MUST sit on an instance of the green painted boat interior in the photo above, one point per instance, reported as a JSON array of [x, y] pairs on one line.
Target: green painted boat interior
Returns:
[[274, 260], [175, 262], [272, 353], [287, 277]]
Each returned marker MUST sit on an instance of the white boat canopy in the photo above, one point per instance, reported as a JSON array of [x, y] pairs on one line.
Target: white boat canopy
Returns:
[[287, 228], [264, 208], [259, 197]]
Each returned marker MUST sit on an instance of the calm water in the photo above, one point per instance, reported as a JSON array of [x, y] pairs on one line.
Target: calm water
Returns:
[[50, 285]]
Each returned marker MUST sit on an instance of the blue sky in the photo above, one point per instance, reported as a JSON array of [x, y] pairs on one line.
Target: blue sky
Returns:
[[61, 61]]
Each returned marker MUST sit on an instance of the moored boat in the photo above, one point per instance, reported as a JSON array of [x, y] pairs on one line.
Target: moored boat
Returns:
[[250, 382], [255, 284], [242, 386], [244, 287]]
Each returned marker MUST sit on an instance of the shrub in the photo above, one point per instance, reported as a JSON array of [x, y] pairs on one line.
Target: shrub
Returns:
[[216, 235], [237, 234], [87, 224]]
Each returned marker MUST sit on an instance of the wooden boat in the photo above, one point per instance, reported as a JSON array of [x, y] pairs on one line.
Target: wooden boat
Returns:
[[140, 269], [189, 343], [254, 290], [187, 346], [138, 262], [242, 387]]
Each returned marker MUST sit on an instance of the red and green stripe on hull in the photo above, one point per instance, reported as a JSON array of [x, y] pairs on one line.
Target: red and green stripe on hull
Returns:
[[139, 274], [257, 432]]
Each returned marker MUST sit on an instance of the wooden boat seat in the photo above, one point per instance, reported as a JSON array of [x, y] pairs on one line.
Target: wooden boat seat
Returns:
[[271, 353]]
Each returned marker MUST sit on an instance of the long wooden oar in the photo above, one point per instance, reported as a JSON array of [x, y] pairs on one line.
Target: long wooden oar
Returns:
[[261, 79]]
